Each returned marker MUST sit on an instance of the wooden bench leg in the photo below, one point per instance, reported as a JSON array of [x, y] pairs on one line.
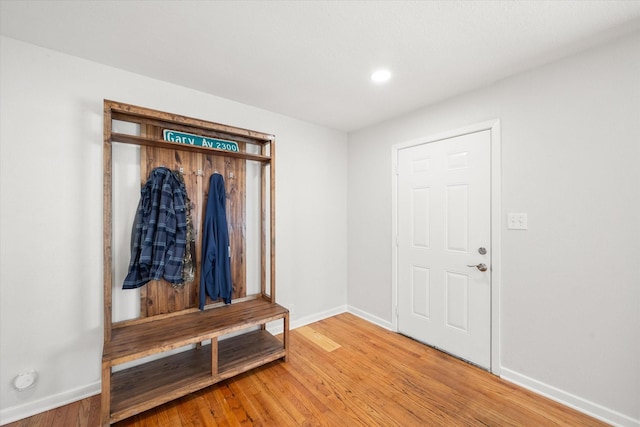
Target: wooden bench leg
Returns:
[[105, 399], [214, 356], [285, 337]]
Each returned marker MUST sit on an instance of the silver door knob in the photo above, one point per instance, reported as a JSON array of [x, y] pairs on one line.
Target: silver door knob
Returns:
[[481, 267]]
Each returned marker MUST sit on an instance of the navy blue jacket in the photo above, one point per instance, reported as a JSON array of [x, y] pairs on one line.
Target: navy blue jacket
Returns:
[[215, 274]]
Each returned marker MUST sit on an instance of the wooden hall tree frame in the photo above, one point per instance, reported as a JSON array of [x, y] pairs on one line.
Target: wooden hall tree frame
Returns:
[[169, 318]]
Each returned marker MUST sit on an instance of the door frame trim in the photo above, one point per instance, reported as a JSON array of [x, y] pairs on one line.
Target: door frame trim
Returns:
[[496, 223]]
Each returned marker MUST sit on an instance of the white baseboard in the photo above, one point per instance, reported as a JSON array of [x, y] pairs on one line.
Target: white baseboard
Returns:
[[296, 323], [277, 328], [370, 317], [29, 409], [590, 408]]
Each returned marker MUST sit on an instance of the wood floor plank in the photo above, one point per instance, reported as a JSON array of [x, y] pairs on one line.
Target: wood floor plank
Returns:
[[276, 382], [235, 405], [214, 402], [193, 412], [167, 415], [90, 412], [371, 377], [59, 417], [339, 385], [314, 336], [70, 414], [245, 394]]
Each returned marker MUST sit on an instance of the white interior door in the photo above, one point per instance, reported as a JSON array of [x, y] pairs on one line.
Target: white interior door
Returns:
[[444, 245]]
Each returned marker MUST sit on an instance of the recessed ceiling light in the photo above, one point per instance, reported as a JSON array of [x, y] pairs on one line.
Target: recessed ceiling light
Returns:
[[381, 76]]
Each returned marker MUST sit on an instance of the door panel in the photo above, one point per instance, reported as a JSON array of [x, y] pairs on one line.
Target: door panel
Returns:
[[420, 285], [457, 305], [444, 212], [420, 202], [457, 216]]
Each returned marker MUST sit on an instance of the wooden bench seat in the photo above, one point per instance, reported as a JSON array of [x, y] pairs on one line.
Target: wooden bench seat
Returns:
[[157, 336]]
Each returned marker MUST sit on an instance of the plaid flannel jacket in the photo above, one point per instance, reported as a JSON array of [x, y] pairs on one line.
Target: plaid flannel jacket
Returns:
[[158, 239]]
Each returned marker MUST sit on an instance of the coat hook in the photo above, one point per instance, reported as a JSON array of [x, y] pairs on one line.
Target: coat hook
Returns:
[[199, 172]]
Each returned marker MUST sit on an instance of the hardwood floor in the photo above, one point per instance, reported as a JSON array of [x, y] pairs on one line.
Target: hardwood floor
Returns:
[[344, 371]]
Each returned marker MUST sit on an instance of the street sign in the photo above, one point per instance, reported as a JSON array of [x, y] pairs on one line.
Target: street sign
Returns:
[[199, 141]]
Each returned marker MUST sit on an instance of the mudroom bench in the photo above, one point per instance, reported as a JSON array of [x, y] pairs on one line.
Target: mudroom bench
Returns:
[[145, 386], [182, 340]]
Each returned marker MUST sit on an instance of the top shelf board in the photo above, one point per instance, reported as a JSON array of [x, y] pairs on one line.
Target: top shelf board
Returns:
[[137, 140], [132, 113]]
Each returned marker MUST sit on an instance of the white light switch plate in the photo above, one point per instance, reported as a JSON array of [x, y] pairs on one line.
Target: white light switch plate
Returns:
[[517, 221]]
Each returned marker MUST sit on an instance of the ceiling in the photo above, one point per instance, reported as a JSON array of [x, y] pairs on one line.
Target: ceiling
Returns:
[[312, 59]]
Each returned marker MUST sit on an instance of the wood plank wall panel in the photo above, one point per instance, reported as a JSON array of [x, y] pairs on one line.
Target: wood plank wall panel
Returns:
[[159, 297]]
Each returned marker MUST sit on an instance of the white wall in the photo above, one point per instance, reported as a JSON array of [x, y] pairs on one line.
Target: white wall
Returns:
[[570, 294], [51, 213]]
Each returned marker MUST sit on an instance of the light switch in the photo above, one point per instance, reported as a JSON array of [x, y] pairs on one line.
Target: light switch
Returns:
[[517, 221]]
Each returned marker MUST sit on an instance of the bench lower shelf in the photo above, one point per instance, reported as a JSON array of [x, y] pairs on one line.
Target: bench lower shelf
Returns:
[[143, 387]]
